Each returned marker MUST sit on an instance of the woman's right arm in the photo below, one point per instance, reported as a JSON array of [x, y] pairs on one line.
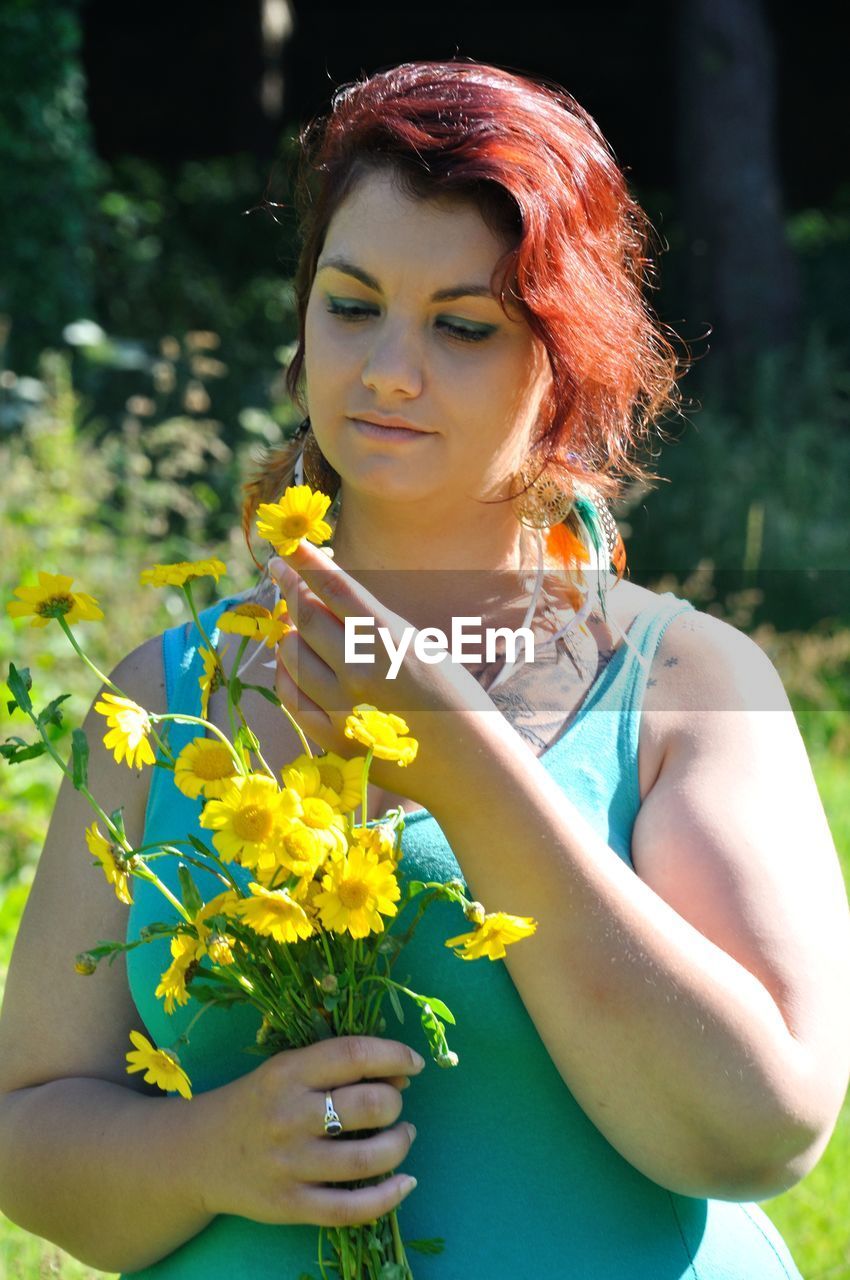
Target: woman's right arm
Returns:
[[110, 1169]]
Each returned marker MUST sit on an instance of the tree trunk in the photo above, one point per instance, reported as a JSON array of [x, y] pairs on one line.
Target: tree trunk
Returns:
[[741, 276]]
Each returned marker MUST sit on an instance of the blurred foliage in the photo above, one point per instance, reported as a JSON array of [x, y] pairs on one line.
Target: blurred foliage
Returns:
[[190, 249], [48, 174], [99, 509], [759, 495]]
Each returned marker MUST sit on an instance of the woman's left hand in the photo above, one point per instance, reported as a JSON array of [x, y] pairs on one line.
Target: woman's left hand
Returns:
[[317, 686]]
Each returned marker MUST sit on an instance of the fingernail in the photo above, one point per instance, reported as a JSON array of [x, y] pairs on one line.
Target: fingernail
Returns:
[[407, 1185], [418, 1060], [405, 1082]]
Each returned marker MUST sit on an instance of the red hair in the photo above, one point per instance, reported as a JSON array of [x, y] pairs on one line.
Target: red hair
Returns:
[[540, 170]]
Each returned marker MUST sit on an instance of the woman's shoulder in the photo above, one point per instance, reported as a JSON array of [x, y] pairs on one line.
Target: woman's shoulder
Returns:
[[140, 674], [704, 663]]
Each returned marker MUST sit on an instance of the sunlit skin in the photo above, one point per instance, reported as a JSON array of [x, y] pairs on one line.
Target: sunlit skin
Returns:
[[413, 504], [398, 352]]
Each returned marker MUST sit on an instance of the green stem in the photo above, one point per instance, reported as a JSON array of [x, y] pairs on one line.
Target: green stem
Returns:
[[232, 704], [144, 873], [400, 1255], [187, 591], [321, 1253], [297, 727], [114, 687], [363, 808], [181, 718]]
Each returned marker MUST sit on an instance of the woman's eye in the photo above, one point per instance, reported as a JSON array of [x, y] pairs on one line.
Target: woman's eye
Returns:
[[467, 332], [349, 310]]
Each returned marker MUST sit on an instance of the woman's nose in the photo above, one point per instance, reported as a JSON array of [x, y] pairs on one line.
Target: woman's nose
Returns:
[[393, 365]]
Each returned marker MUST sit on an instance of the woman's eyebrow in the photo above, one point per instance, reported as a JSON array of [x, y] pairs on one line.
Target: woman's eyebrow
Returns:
[[442, 295]]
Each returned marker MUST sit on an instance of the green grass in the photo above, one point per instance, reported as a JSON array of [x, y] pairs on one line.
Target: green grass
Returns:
[[813, 1217]]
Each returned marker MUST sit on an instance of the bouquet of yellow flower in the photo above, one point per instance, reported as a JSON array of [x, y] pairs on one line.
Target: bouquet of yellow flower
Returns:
[[302, 926]]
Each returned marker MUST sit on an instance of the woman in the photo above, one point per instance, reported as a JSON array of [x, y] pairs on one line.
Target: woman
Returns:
[[672, 1043]]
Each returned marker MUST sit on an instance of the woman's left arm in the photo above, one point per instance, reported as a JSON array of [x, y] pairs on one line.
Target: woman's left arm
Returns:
[[696, 1006], [698, 1009]]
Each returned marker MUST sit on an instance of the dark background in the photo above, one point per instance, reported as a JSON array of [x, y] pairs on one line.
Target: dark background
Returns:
[[174, 81], [138, 142]]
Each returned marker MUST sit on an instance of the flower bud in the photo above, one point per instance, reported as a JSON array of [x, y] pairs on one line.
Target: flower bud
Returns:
[[218, 949], [475, 912], [330, 984], [456, 884], [85, 963], [449, 1059]]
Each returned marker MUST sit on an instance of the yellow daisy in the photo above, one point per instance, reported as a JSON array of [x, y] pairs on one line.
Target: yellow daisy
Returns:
[[220, 948], [53, 598], [113, 862], [177, 575], [305, 893], [378, 840], [247, 818], [297, 515], [212, 679], [342, 777], [275, 914], [357, 889], [204, 766], [223, 904], [256, 621], [498, 931], [301, 851], [161, 1067], [382, 731], [129, 726], [172, 987]]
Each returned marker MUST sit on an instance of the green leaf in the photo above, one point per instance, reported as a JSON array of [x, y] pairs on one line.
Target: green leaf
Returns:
[[20, 683], [27, 751], [236, 688], [396, 1003], [80, 758], [51, 713], [117, 820], [435, 1245], [265, 693], [216, 995], [192, 899], [441, 1009], [391, 1271], [155, 929], [320, 1027], [200, 847], [247, 739], [432, 1005]]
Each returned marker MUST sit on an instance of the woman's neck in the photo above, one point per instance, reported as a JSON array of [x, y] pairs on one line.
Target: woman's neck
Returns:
[[430, 567]]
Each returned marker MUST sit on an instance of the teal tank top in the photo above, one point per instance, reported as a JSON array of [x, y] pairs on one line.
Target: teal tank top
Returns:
[[512, 1174]]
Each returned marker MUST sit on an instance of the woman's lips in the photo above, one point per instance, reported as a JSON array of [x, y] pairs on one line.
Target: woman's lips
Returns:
[[388, 433]]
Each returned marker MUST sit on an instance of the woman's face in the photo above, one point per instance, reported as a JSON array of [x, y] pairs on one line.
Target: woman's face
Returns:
[[401, 323]]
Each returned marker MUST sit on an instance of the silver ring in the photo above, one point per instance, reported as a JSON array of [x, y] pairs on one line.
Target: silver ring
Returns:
[[333, 1124]]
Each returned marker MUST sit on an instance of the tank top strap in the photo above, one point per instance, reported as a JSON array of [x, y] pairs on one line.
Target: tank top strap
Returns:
[[183, 661], [625, 691], [183, 666]]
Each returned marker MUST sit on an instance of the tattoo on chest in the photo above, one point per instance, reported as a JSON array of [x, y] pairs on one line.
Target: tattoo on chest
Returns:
[[541, 699]]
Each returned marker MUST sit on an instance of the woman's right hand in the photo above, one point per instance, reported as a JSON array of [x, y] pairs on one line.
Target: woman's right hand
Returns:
[[262, 1150]]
